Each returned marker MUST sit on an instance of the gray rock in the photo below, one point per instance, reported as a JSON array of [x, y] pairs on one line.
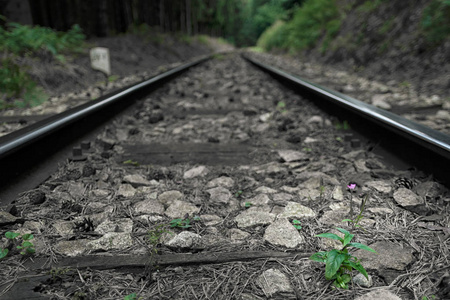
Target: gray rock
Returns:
[[388, 256], [250, 218], [282, 233], [382, 186], [116, 225], [316, 176], [7, 218], [178, 209], [379, 100], [405, 197], [273, 281], [167, 198], [185, 239], [126, 190], [72, 248], [361, 280], [111, 241], [211, 220], [291, 155], [63, 227], [148, 207], [237, 235], [378, 295], [136, 180], [282, 197], [296, 210], [265, 190], [222, 181], [337, 193], [429, 189], [258, 200], [199, 171], [334, 217], [219, 195]]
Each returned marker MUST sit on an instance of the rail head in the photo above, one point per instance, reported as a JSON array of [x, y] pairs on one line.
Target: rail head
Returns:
[[434, 140], [14, 141]]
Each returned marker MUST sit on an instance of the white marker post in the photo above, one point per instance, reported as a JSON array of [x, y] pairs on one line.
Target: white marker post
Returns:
[[100, 60]]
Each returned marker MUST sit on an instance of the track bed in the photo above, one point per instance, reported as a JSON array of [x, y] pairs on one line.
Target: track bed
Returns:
[[194, 195]]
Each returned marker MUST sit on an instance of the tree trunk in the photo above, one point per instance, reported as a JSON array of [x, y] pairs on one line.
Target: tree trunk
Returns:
[[161, 14], [188, 17]]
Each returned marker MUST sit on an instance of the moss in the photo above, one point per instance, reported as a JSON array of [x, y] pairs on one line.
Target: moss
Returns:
[[436, 21]]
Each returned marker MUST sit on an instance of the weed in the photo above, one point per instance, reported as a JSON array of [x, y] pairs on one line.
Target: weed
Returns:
[[113, 78], [342, 126], [296, 223], [58, 272], [339, 262], [183, 223], [359, 217], [247, 204], [238, 194], [26, 246], [306, 149], [202, 39], [132, 296], [436, 22], [281, 107], [432, 297], [131, 162], [154, 236]]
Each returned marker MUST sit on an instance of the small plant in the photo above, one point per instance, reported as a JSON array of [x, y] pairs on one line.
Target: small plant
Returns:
[[132, 296], [359, 217], [247, 204], [113, 78], [131, 162], [281, 106], [26, 246], [432, 297], [58, 272], [180, 223], [296, 223], [351, 187], [339, 262], [342, 126], [238, 194]]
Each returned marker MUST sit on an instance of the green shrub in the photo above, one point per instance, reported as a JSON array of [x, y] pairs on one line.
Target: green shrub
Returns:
[[18, 41], [436, 21], [274, 37], [369, 6], [311, 21], [26, 40]]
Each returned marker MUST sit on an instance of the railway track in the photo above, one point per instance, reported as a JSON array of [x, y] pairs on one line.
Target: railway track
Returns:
[[225, 159]]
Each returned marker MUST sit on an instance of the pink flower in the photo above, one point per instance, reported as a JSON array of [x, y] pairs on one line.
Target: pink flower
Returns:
[[351, 186]]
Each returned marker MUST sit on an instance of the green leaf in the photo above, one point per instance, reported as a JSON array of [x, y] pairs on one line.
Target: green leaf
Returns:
[[319, 257], [343, 231], [27, 237], [334, 261], [331, 236], [361, 246], [357, 266], [347, 220], [3, 253], [27, 244], [11, 235], [347, 239]]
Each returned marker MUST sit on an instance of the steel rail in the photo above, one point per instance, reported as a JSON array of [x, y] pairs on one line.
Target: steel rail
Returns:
[[31, 154], [22, 137], [434, 142]]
